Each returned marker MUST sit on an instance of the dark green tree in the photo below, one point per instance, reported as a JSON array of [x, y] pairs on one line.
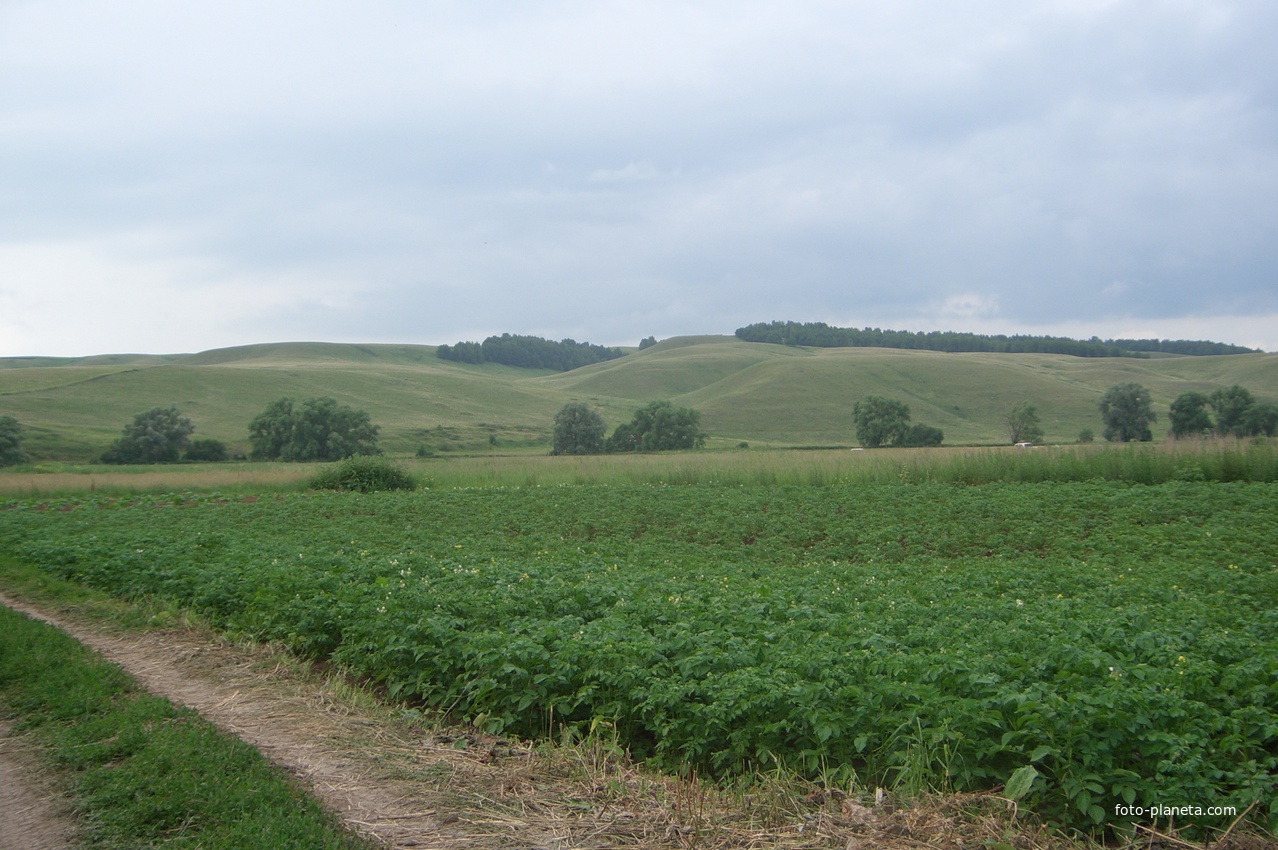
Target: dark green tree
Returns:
[[579, 430], [318, 429], [1261, 419], [1189, 416], [1023, 424], [647, 342], [1127, 411], [920, 435], [157, 436], [207, 450], [11, 442], [656, 427], [1231, 406], [880, 421]]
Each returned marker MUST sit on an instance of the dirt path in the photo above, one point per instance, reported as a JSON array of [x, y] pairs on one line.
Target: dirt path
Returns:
[[406, 788], [33, 816]]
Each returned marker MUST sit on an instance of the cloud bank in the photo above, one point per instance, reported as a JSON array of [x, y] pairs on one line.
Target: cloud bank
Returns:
[[178, 178]]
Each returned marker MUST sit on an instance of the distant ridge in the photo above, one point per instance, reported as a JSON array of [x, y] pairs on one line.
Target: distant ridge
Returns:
[[821, 335]]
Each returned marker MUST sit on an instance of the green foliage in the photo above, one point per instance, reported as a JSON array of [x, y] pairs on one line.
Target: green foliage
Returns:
[[823, 335], [875, 631], [658, 426], [1023, 424], [1127, 412], [647, 342], [880, 421], [919, 435], [364, 474], [1261, 420], [142, 772], [1231, 406], [1239, 415], [578, 430], [886, 421], [11, 452], [207, 450], [1189, 416], [1086, 435], [159, 435], [529, 352], [320, 429]]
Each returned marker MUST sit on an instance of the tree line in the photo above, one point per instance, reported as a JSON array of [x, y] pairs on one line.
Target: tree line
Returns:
[[821, 335], [529, 352]]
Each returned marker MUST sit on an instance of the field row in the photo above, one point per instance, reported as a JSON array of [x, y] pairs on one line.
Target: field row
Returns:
[[1123, 640]]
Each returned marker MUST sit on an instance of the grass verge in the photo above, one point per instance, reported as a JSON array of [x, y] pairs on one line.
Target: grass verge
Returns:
[[143, 772]]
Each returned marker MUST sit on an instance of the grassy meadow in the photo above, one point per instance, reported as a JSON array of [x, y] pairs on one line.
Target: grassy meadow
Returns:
[[765, 395]]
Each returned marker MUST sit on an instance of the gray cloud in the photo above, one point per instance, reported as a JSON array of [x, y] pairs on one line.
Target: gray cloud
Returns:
[[430, 172]]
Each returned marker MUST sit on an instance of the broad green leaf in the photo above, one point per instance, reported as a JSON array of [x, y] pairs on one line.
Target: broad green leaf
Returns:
[[1020, 782]]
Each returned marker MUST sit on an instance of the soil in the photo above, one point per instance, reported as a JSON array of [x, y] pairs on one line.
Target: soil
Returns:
[[407, 783], [33, 814]]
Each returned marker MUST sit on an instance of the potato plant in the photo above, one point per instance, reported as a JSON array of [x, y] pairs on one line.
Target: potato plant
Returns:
[[1122, 640]]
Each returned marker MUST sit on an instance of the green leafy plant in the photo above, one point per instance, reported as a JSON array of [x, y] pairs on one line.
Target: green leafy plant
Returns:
[[364, 474]]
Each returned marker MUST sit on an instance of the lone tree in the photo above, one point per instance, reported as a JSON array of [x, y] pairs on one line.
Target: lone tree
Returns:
[[1189, 416], [318, 429], [579, 430], [157, 436], [11, 442], [1126, 410], [1023, 424], [656, 427], [880, 421]]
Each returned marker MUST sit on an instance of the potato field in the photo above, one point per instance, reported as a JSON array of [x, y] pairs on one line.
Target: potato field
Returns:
[[1122, 640]]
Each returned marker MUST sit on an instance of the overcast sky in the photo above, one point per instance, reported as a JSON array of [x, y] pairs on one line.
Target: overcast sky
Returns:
[[184, 176]]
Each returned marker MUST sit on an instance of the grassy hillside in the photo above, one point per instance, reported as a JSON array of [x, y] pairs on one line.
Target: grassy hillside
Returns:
[[763, 394]]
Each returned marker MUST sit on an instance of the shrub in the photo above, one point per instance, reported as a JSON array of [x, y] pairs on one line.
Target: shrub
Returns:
[[920, 435], [207, 450], [364, 474]]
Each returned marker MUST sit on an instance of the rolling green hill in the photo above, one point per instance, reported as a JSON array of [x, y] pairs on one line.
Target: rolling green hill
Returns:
[[763, 394]]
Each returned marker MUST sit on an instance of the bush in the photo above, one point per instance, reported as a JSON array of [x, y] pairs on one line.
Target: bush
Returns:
[[207, 450], [920, 435], [364, 474]]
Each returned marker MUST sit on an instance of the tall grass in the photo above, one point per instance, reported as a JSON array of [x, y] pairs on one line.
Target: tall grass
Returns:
[[1186, 460], [1208, 460]]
